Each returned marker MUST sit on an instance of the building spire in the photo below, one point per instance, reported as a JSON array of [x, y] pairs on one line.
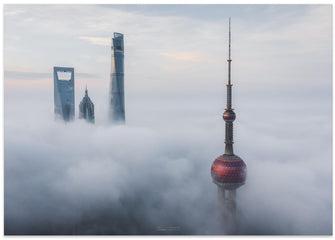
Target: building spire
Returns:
[[229, 115], [229, 57], [229, 39]]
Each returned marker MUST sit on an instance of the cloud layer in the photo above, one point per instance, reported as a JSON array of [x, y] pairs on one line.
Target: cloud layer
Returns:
[[153, 174]]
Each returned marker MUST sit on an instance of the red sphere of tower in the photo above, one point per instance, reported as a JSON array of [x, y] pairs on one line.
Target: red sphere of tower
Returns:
[[229, 115], [229, 171]]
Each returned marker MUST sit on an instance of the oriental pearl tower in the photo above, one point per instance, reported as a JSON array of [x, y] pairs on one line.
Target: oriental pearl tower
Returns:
[[228, 170]]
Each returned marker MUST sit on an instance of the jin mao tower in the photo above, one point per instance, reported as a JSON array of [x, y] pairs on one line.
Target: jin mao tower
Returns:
[[86, 108]]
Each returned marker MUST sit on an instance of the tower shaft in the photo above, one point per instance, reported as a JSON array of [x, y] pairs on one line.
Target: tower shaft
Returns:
[[229, 139], [229, 96]]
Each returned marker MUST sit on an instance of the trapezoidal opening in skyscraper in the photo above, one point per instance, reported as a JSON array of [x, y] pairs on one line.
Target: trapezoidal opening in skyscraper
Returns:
[[64, 93]]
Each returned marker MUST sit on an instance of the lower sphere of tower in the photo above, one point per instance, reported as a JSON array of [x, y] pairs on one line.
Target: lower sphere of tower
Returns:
[[229, 115], [229, 171]]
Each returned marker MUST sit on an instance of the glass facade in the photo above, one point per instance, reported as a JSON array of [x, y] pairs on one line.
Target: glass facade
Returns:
[[86, 108], [64, 93], [117, 105]]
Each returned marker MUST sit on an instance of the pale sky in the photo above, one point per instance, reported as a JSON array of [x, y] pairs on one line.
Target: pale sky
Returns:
[[170, 47]]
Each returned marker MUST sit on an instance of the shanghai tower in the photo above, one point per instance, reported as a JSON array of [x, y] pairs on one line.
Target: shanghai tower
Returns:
[[117, 106], [228, 170]]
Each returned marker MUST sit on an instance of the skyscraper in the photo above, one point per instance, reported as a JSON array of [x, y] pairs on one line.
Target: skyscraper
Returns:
[[64, 93], [86, 108], [117, 106], [228, 170]]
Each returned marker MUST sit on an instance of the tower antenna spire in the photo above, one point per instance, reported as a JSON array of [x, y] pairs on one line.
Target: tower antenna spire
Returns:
[[229, 37], [229, 55]]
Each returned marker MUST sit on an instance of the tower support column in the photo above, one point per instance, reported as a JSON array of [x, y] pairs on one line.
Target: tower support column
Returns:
[[227, 210]]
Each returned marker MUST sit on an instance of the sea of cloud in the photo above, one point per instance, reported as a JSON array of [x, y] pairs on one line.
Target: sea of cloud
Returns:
[[152, 175]]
